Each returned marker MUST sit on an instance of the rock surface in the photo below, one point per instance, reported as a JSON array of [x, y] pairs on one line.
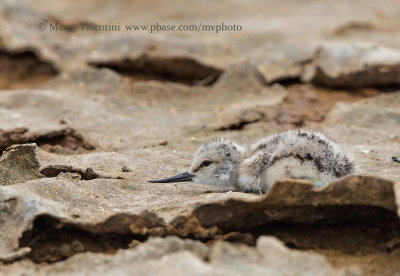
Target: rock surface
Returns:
[[173, 256], [354, 65], [19, 164], [110, 110]]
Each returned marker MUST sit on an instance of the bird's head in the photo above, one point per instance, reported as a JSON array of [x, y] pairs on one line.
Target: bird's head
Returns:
[[215, 163]]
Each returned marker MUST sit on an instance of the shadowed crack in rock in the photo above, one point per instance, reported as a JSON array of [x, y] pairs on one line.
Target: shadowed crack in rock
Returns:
[[178, 69], [353, 26], [23, 70], [287, 81], [348, 229], [88, 174], [49, 243], [51, 240], [388, 78], [53, 141]]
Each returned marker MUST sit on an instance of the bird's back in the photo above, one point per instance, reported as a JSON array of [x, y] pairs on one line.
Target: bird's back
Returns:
[[293, 154]]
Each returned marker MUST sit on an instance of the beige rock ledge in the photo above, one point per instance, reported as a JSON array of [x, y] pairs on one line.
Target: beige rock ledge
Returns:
[[133, 210], [344, 64], [174, 256]]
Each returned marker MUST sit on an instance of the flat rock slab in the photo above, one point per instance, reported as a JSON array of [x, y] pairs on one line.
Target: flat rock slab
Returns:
[[370, 129], [354, 65], [281, 62]]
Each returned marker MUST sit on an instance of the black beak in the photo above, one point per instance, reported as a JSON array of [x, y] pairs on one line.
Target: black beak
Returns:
[[182, 177]]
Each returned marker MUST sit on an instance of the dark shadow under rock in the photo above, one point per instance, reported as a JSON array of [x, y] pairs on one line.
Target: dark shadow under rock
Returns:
[[49, 243], [52, 240], [176, 69], [88, 174], [350, 196], [59, 141], [23, 70]]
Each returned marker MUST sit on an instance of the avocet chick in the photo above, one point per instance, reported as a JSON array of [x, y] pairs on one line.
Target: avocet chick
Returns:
[[292, 154]]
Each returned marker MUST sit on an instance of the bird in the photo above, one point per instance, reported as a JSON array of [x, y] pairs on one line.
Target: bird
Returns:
[[293, 154]]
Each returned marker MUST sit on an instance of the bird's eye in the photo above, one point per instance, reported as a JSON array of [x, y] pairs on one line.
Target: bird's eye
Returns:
[[206, 163]]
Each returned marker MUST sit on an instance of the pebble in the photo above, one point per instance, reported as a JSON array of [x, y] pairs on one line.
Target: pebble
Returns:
[[125, 169]]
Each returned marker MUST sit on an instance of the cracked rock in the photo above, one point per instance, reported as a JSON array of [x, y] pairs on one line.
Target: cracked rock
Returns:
[[282, 62], [354, 65], [19, 164]]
